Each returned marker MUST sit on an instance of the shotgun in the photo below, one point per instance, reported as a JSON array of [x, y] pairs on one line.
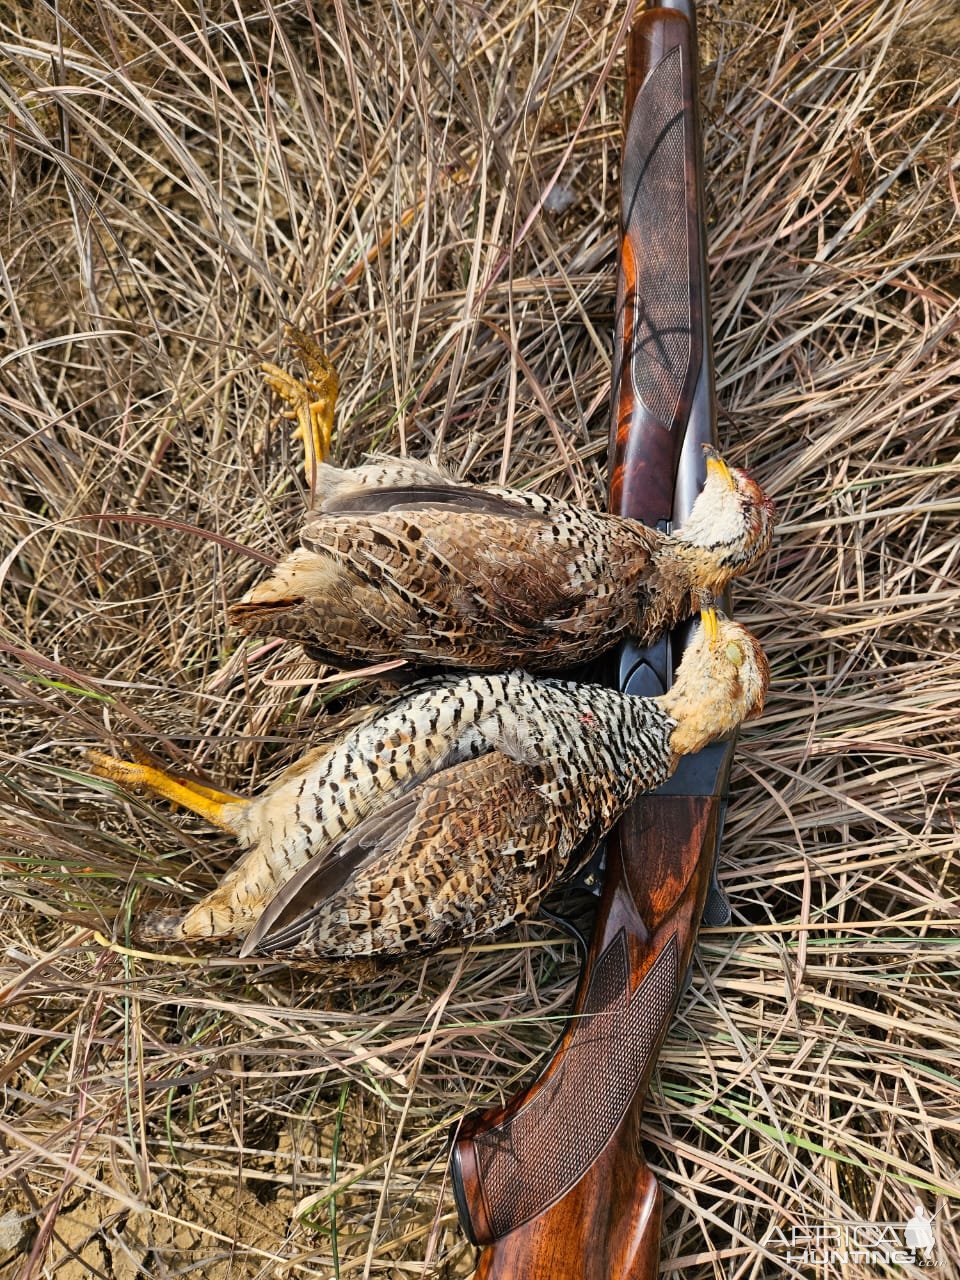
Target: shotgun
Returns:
[[554, 1184]]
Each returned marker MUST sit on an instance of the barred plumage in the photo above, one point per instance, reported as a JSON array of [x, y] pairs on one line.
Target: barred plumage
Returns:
[[453, 811]]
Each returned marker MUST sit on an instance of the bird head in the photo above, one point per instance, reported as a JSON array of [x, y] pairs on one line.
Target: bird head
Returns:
[[722, 680], [730, 525]]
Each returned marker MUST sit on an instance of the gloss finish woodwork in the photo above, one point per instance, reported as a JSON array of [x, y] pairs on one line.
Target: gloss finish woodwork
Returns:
[[656, 471], [607, 1223]]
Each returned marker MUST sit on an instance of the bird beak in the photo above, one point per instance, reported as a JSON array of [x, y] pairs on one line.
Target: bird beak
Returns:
[[716, 466], [711, 627]]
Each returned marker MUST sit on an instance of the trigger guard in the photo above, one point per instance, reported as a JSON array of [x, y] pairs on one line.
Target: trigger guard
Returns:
[[645, 673]]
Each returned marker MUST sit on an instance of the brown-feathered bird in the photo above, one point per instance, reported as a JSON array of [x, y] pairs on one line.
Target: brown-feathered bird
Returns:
[[397, 560], [453, 812]]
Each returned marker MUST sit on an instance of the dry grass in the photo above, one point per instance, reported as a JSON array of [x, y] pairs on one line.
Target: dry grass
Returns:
[[181, 181]]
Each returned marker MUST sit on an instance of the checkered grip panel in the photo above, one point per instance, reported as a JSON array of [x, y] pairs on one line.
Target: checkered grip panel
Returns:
[[530, 1160]]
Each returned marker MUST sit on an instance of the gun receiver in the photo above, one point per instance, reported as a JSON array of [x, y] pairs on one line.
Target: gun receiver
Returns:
[[554, 1182]]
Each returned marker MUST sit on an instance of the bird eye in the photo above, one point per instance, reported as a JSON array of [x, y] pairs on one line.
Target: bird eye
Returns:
[[734, 654]]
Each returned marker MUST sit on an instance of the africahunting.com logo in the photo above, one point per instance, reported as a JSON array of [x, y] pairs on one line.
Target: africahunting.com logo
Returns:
[[829, 1244]]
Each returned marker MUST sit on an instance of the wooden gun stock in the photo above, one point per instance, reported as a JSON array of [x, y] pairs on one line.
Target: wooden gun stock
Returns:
[[554, 1183]]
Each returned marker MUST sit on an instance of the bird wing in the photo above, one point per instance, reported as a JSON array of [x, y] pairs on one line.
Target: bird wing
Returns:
[[288, 915], [389, 485], [546, 587], [555, 576], [482, 580], [512, 569], [468, 849]]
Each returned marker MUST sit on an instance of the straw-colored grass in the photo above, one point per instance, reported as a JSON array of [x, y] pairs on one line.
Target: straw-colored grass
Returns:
[[183, 179]]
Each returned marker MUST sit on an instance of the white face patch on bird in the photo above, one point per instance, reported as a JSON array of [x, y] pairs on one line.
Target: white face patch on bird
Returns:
[[731, 521]]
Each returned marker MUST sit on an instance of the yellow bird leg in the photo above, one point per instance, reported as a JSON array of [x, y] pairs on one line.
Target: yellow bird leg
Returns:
[[208, 802], [312, 400]]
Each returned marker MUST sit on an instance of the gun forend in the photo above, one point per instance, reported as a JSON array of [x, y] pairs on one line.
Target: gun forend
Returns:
[[663, 404]]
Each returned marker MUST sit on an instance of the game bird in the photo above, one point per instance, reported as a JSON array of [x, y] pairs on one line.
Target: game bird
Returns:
[[398, 560], [453, 811]]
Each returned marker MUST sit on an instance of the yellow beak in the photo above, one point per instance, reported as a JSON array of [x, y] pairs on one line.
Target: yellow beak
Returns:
[[710, 624], [716, 466]]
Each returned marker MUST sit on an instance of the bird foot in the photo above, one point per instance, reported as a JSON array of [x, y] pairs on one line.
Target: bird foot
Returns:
[[208, 802], [311, 400]]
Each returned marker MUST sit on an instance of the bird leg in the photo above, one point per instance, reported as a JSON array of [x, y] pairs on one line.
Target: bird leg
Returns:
[[209, 802], [311, 400]]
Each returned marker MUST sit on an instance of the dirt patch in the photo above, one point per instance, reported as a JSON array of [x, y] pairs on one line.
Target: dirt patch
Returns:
[[204, 1227]]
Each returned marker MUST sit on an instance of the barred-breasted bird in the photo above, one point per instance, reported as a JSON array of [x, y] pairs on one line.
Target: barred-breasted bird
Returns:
[[397, 560], [452, 812]]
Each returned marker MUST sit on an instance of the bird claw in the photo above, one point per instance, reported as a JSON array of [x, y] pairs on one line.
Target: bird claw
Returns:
[[136, 775], [311, 399]]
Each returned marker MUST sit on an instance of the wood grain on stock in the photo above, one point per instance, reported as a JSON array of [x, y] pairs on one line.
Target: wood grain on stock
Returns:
[[659, 326], [521, 1164]]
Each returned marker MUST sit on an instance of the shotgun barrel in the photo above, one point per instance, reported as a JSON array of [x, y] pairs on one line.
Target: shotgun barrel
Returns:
[[553, 1184]]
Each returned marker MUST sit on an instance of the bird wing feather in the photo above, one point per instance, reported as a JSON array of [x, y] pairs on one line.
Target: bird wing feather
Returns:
[[533, 590], [495, 569], [468, 815], [405, 486], [287, 915]]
